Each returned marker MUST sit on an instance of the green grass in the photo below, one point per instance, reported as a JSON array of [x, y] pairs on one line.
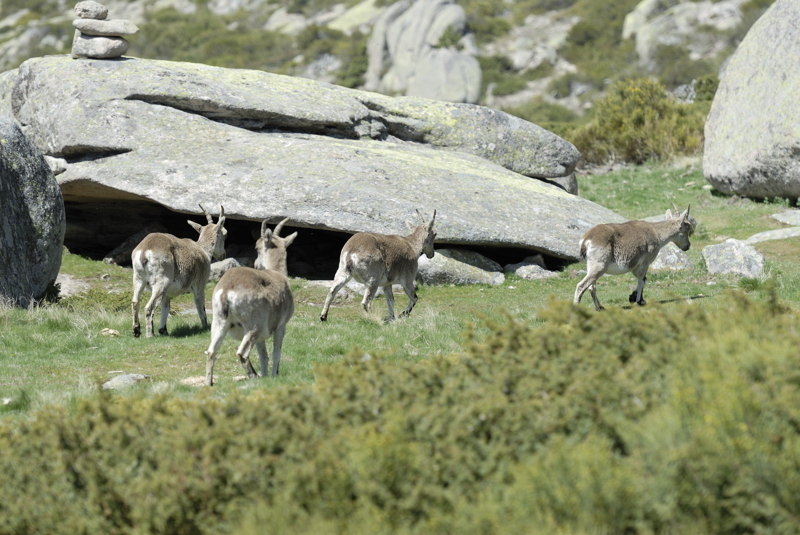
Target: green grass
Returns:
[[57, 352]]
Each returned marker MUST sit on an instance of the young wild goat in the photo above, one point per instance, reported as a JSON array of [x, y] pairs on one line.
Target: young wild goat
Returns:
[[271, 248], [172, 266], [631, 246], [380, 260], [253, 304]]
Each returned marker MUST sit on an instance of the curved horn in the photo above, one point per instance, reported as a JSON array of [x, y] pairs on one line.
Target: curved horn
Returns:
[[263, 228], [208, 216], [279, 226]]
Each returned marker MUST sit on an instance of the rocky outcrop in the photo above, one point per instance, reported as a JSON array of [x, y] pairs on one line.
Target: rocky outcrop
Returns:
[[406, 54], [694, 26], [734, 257], [267, 146], [752, 146], [31, 219]]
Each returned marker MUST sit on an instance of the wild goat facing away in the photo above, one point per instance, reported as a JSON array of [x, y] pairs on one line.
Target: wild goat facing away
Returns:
[[617, 248], [251, 305], [380, 260], [271, 248], [172, 266]]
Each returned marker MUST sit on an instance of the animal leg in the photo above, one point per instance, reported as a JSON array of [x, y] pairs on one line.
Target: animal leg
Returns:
[[341, 278], [219, 329], [588, 283], [162, 328], [138, 288], [637, 296], [277, 344], [243, 353], [411, 291], [369, 295], [155, 298], [200, 304], [387, 291], [263, 357]]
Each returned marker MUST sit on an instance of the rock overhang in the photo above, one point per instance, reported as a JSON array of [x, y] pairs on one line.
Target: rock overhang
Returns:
[[269, 146]]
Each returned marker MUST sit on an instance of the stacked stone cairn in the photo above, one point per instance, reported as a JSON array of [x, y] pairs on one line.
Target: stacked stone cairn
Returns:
[[95, 36]]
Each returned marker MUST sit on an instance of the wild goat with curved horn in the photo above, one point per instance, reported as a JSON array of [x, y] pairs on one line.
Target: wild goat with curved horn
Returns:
[[618, 248], [172, 266], [253, 305], [380, 260]]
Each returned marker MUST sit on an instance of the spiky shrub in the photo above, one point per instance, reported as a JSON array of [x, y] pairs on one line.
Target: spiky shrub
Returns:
[[637, 121], [680, 418]]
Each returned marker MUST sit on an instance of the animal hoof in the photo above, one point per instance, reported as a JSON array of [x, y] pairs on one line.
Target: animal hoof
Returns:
[[162, 332], [137, 332], [632, 298], [641, 302], [324, 317]]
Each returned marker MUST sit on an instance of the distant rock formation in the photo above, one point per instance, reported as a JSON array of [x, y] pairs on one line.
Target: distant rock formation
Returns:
[[690, 25], [406, 55], [752, 141], [31, 219], [96, 37], [139, 133]]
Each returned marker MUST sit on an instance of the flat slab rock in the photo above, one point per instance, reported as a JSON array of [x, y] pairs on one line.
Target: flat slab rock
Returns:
[[271, 146]]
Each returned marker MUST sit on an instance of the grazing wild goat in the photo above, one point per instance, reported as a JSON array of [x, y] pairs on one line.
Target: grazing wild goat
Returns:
[[172, 266], [631, 246], [380, 260], [251, 305], [271, 248]]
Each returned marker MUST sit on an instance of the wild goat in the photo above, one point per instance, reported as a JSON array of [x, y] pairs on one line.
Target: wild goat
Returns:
[[382, 260], [617, 248], [271, 248], [172, 266], [253, 304]]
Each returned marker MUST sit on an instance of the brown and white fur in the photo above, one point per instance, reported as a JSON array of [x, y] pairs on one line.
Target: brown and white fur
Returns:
[[618, 248], [380, 260], [253, 305], [172, 266], [271, 248]]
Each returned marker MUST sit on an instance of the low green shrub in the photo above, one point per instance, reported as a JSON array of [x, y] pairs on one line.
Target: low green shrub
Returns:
[[637, 121], [666, 419]]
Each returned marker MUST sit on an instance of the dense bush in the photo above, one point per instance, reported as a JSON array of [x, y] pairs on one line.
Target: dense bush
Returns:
[[637, 121], [669, 419]]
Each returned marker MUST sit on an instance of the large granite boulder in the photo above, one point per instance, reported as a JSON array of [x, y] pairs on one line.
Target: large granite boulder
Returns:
[[271, 146], [406, 53], [31, 219], [752, 134]]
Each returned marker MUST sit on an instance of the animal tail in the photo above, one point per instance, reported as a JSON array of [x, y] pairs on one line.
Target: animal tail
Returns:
[[583, 250], [221, 298]]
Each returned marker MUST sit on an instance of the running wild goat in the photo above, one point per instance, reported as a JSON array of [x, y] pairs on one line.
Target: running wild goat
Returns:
[[252, 305], [618, 248], [380, 260], [172, 266]]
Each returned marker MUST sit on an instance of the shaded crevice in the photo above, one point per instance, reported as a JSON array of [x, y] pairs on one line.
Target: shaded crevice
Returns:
[[97, 227], [396, 124], [255, 121], [88, 153]]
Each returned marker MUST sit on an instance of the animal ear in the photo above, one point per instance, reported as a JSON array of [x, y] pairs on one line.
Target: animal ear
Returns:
[[224, 231], [267, 236], [287, 241], [197, 226]]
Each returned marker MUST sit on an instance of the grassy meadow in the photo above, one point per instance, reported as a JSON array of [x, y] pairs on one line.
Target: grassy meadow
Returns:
[[489, 410], [56, 352]]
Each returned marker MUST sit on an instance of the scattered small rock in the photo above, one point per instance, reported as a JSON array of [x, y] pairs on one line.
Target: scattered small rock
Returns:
[[124, 381], [734, 257]]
